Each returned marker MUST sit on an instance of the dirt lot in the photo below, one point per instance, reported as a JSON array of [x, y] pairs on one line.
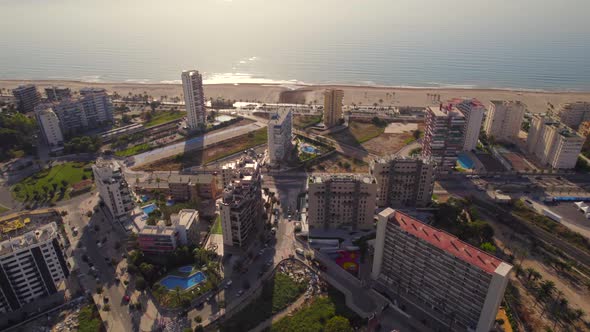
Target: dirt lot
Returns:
[[303, 121], [338, 163], [357, 133], [197, 158], [388, 144]]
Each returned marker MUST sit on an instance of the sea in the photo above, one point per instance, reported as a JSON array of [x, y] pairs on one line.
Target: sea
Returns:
[[511, 44]]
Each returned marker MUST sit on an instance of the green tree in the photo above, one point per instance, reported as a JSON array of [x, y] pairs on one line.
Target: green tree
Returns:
[[338, 324], [488, 247], [140, 283]]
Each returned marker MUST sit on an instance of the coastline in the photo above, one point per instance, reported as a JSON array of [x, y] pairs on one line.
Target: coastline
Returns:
[[536, 100]]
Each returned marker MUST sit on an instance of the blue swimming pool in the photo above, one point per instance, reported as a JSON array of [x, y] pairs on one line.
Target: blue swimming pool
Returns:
[[465, 161], [185, 269], [171, 282], [149, 208], [309, 149]]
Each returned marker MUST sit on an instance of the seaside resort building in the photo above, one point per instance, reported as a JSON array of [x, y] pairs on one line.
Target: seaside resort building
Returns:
[[403, 181], [57, 93], [241, 207], [113, 189], [49, 126], [27, 98], [194, 99], [280, 132], [345, 201], [444, 136], [457, 285], [32, 266], [553, 143], [573, 114], [473, 110], [165, 237], [332, 107], [503, 120]]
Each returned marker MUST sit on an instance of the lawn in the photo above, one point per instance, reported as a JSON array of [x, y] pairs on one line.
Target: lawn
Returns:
[[133, 150], [163, 117], [89, 319], [216, 228], [325, 313], [277, 293], [304, 121], [358, 133], [51, 184]]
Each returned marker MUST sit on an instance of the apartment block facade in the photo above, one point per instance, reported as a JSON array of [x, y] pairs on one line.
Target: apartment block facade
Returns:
[[91, 110], [57, 93], [241, 207], [113, 189], [403, 181], [573, 114], [194, 99], [49, 126], [165, 238], [27, 98], [456, 284], [345, 201], [31, 266], [553, 143], [280, 132], [332, 107], [444, 136], [474, 111], [504, 119]]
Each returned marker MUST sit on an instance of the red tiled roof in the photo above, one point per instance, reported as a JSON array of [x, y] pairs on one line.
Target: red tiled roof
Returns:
[[447, 242]]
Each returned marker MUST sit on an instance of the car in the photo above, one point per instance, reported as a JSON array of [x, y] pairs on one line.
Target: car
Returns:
[[300, 252], [240, 293], [260, 273], [228, 284], [126, 299]]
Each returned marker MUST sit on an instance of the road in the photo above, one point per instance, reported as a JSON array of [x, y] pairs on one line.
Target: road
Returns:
[[195, 143]]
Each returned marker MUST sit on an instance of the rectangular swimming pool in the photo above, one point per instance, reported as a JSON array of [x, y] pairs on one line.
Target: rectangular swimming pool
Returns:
[[171, 282], [149, 208]]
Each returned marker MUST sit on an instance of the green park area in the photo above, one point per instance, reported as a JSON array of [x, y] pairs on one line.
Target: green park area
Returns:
[[277, 293], [163, 117], [89, 319], [51, 184], [303, 121], [133, 150], [216, 228], [323, 314]]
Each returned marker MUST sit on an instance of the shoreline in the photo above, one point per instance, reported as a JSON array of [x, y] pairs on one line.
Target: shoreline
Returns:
[[298, 84], [537, 101]]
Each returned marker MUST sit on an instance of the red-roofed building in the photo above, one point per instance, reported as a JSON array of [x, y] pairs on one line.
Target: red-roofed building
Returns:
[[454, 282]]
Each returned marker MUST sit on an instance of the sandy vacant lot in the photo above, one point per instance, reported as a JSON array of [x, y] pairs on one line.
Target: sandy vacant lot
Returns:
[[398, 127]]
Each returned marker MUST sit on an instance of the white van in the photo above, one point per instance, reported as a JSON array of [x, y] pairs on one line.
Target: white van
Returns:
[[300, 252]]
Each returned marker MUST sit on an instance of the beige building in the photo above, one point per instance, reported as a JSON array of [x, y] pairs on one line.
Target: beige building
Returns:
[[280, 132], [332, 107], [241, 207], [49, 125], [182, 230], [503, 120], [573, 114], [194, 99], [444, 136], [341, 201], [113, 189], [456, 284], [403, 181], [473, 110], [553, 143]]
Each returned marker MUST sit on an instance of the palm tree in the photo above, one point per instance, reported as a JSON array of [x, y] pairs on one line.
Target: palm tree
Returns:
[[546, 289], [177, 292]]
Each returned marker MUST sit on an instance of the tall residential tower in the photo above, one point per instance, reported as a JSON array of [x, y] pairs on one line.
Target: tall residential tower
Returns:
[[504, 119], [280, 129], [444, 136], [332, 107], [473, 110], [194, 99]]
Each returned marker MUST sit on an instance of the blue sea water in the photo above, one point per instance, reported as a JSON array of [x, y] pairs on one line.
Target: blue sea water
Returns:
[[534, 44]]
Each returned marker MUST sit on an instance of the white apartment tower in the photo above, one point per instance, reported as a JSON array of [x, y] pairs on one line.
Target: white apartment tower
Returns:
[[554, 143], [97, 105], [279, 136], [332, 107], [473, 110], [31, 266], [49, 125], [573, 114], [194, 99], [345, 201], [458, 285], [241, 207], [444, 136], [403, 181], [503, 120], [113, 188]]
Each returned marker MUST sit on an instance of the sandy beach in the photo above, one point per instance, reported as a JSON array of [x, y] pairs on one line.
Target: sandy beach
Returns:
[[537, 101]]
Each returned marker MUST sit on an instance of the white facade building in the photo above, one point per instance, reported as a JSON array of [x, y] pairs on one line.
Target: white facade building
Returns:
[[458, 285], [504, 119], [113, 188], [403, 181], [344, 201], [573, 114], [192, 86], [280, 128], [473, 110], [31, 266], [554, 143], [49, 125]]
